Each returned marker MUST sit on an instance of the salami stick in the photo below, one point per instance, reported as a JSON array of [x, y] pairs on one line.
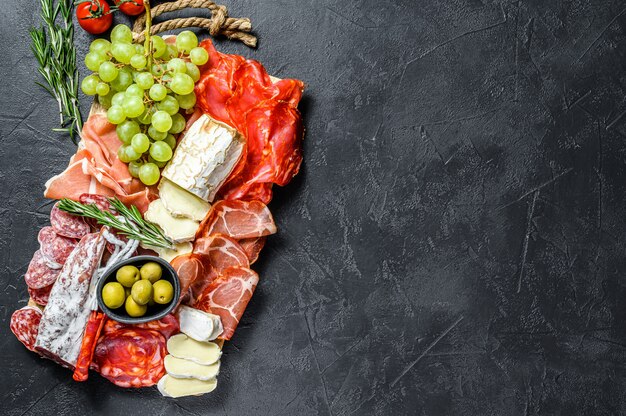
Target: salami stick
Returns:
[[88, 346]]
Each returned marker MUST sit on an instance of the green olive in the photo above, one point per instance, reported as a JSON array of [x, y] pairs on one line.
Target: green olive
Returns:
[[127, 275], [163, 292], [141, 292], [113, 295], [151, 271], [133, 309]]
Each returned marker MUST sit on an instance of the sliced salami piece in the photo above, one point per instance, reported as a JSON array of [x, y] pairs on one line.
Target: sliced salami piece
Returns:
[[131, 357], [167, 326], [68, 225], [252, 247], [39, 274], [25, 325], [40, 296], [53, 246], [100, 201], [228, 296]]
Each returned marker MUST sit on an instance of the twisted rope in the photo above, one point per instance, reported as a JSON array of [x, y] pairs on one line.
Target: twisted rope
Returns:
[[218, 24]]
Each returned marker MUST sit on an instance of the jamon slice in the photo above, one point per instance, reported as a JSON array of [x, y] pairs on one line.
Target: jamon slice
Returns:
[[188, 267], [252, 247], [228, 296], [238, 219]]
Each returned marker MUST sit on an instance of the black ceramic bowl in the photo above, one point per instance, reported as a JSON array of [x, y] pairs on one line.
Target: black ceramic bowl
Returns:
[[155, 311]]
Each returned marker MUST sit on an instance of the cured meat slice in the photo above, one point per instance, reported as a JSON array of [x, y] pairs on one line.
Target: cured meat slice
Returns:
[[131, 357], [25, 325], [53, 246], [39, 274], [219, 252], [238, 219], [90, 338], [100, 201], [67, 225], [228, 296], [188, 267], [66, 314], [252, 247], [40, 296], [166, 326]]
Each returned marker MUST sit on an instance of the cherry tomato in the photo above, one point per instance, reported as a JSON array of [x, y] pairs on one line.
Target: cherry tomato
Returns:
[[130, 7], [94, 16]]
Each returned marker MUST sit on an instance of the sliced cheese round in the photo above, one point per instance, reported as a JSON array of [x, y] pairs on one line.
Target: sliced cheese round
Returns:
[[199, 325], [177, 229], [182, 203], [179, 387], [181, 368], [205, 353], [168, 254]]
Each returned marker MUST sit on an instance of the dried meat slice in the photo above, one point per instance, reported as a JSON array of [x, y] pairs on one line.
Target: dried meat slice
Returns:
[[25, 325], [238, 219], [40, 296], [88, 346], [167, 326], [228, 296], [54, 247], [68, 225], [67, 312], [131, 357], [39, 274], [252, 247], [188, 267]]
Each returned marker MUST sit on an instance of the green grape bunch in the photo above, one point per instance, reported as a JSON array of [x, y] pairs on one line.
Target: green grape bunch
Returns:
[[145, 96]]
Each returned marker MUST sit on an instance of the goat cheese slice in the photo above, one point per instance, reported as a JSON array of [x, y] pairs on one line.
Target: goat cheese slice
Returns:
[[182, 203], [205, 156], [199, 325], [177, 229], [178, 387], [204, 353], [181, 368]]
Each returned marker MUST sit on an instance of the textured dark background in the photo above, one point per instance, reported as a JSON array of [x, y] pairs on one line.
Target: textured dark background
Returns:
[[454, 243]]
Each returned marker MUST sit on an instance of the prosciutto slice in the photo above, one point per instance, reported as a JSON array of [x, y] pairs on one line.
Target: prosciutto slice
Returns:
[[238, 219], [66, 314], [96, 169], [228, 296]]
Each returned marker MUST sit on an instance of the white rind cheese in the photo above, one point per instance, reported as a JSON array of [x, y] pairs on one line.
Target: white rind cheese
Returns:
[[181, 203], [205, 353], [179, 387], [207, 153], [168, 254], [177, 229], [199, 325], [180, 368]]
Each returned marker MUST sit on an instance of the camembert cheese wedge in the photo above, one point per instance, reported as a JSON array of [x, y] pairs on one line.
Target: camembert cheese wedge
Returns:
[[204, 353], [181, 203], [205, 156], [178, 387], [199, 325], [177, 229], [181, 368], [168, 254]]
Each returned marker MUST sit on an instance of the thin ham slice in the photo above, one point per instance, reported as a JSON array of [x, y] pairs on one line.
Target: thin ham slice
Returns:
[[188, 267], [238, 220], [96, 169], [252, 247], [228, 296]]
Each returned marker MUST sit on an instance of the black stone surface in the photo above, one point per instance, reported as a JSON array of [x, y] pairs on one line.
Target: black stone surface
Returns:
[[454, 243]]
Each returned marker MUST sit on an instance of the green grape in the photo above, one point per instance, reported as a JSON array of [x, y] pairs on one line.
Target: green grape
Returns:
[[133, 168], [170, 140], [158, 46], [105, 100], [169, 105], [193, 71], [93, 60], [122, 34], [155, 134], [134, 90], [159, 164], [115, 114], [186, 102], [138, 61], [133, 106], [123, 80], [149, 173], [182, 84], [167, 78], [90, 84], [178, 123], [161, 121], [121, 154], [172, 51], [100, 45], [139, 48], [131, 154], [102, 88], [107, 71], [160, 151], [157, 70], [199, 56], [127, 130], [145, 80], [177, 65], [186, 41], [118, 98], [158, 92], [123, 52], [140, 143], [146, 116]]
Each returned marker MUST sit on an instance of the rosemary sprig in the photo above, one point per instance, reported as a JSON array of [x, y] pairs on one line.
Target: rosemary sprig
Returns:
[[128, 221], [53, 46]]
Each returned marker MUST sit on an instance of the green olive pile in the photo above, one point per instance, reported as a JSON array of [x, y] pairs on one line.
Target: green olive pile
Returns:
[[137, 289]]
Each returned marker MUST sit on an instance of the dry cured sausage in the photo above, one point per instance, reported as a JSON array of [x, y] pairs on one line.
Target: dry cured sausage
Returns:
[[67, 225]]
